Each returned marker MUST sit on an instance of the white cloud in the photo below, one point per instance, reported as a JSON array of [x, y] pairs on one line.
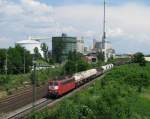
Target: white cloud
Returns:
[[28, 17], [116, 32], [89, 33], [4, 41], [128, 19], [125, 23]]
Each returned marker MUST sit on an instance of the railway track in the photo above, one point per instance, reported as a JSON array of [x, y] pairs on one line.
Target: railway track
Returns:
[[18, 100], [15, 94], [22, 113]]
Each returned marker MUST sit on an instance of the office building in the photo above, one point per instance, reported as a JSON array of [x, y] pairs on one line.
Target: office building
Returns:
[[61, 46]]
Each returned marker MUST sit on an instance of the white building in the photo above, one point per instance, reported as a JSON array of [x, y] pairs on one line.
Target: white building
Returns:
[[80, 45], [108, 51], [108, 45], [147, 59], [30, 45]]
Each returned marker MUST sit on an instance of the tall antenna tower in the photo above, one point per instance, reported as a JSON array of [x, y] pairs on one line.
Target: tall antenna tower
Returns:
[[104, 34], [104, 27]]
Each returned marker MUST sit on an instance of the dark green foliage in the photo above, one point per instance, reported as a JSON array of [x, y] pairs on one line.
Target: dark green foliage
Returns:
[[100, 56], [44, 48], [37, 55], [70, 67], [2, 60], [43, 115], [140, 81], [75, 63], [82, 65], [15, 60], [51, 61], [74, 56], [139, 58], [73, 67]]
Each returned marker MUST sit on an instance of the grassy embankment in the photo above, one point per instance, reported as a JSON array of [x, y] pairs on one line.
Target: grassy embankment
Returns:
[[117, 96], [10, 83]]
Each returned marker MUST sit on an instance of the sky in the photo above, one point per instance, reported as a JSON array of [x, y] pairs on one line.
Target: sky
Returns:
[[127, 21]]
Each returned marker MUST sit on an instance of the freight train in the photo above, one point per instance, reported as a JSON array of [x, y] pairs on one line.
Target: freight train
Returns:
[[64, 85]]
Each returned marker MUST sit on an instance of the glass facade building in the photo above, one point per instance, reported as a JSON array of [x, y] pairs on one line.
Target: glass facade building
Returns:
[[61, 46]]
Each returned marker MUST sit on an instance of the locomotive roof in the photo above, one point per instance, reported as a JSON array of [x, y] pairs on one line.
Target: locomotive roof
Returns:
[[61, 78]]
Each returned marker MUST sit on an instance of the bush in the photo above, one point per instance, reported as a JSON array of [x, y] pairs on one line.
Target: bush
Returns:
[[139, 58]]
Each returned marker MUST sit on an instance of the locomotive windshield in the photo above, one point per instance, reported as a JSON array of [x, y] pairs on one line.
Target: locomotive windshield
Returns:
[[54, 83]]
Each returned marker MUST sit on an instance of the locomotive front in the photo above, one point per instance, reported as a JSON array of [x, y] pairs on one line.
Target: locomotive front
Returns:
[[53, 88]]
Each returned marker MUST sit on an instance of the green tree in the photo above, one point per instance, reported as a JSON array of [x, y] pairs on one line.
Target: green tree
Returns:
[[44, 48], [142, 80], [51, 61], [100, 56], [16, 60], [139, 58], [82, 65], [70, 67], [37, 55], [75, 63], [28, 60], [2, 60], [74, 56]]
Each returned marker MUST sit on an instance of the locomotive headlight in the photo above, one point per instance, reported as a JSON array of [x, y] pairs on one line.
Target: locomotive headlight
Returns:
[[53, 87], [50, 87], [56, 87]]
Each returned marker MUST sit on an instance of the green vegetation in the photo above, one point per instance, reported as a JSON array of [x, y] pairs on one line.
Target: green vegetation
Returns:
[[10, 82], [139, 58], [75, 63], [18, 57], [44, 48], [37, 55], [16, 77], [116, 96], [100, 56], [15, 60]]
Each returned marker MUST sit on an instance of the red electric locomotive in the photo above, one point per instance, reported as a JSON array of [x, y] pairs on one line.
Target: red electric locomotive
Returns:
[[59, 87]]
